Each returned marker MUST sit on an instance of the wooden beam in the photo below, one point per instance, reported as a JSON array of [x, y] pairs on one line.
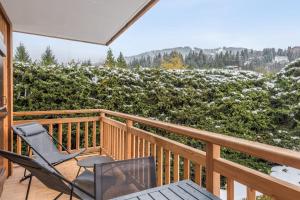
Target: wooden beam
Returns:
[[132, 20]]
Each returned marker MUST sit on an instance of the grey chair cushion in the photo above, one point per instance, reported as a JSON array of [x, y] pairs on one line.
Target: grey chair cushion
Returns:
[[32, 129]]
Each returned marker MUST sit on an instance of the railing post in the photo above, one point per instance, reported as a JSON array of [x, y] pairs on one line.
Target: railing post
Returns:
[[128, 153], [102, 116], [230, 189], [251, 194], [212, 178]]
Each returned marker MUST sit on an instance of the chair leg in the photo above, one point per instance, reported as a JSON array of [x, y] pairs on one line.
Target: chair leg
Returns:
[[78, 171], [24, 178], [28, 188], [71, 196], [59, 195]]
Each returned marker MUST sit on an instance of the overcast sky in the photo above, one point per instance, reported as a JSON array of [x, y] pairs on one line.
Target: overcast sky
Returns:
[[197, 23]]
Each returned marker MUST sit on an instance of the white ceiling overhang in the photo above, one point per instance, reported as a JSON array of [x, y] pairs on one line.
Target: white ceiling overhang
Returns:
[[93, 21]]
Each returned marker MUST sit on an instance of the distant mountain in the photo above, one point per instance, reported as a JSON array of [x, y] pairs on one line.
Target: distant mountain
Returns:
[[184, 51]]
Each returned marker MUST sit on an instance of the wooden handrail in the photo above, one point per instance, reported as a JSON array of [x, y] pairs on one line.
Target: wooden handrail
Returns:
[[58, 120], [54, 112], [264, 151]]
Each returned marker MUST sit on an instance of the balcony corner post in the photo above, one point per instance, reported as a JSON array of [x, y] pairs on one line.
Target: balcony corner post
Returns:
[[128, 137], [102, 116], [212, 177]]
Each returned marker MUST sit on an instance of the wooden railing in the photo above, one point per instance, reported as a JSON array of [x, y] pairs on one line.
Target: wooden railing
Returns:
[[175, 161], [73, 131]]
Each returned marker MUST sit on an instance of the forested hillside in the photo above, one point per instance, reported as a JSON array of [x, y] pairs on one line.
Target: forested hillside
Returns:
[[268, 60], [239, 103]]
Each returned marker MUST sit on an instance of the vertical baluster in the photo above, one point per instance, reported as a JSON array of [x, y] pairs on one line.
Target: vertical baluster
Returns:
[[120, 144], [60, 136], [12, 141], [78, 135], [117, 142], [153, 151], [142, 147], [69, 136], [123, 145], [51, 129], [86, 134], [198, 174], [102, 116], [159, 165], [186, 168], [147, 148], [137, 147], [230, 189], [176, 167], [19, 145], [94, 134], [251, 194], [112, 141], [108, 139], [167, 166], [104, 139], [133, 141], [30, 152]]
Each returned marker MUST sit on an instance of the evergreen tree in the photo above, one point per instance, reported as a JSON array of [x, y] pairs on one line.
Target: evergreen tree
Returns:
[[157, 60], [87, 62], [48, 58], [22, 54], [121, 62], [110, 59], [290, 54]]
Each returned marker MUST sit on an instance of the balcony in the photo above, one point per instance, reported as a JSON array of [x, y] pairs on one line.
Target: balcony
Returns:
[[124, 136]]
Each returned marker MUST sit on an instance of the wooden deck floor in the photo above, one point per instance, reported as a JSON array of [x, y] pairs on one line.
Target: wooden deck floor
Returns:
[[13, 190]]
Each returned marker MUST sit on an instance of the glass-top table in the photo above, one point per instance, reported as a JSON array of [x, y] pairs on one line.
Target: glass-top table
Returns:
[[89, 162]]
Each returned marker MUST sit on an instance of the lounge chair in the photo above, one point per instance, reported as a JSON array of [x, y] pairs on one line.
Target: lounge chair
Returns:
[[43, 145], [82, 187], [112, 179]]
